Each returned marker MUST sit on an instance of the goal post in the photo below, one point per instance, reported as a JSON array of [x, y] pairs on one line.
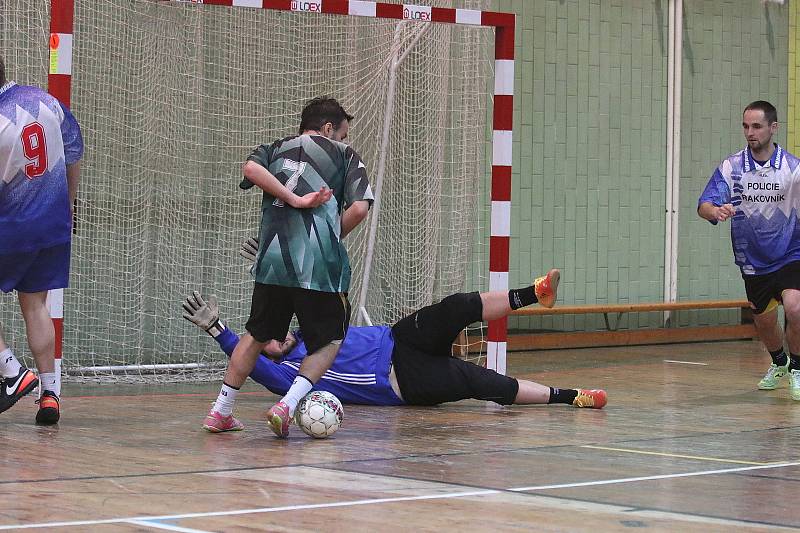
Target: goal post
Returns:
[[59, 84], [164, 124]]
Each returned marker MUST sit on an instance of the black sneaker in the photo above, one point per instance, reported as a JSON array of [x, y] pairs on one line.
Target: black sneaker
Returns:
[[49, 408], [12, 389]]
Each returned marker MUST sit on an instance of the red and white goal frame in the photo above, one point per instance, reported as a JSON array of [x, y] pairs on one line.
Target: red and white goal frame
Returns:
[[60, 86]]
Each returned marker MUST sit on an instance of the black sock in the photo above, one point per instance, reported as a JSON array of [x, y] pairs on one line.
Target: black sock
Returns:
[[522, 297], [794, 361], [562, 395], [778, 356]]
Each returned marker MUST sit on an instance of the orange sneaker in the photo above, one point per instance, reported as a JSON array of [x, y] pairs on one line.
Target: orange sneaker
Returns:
[[49, 408], [12, 389], [593, 398], [546, 287]]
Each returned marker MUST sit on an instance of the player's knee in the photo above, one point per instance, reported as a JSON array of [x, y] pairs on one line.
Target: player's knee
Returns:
[[463, 302], [792, 311]]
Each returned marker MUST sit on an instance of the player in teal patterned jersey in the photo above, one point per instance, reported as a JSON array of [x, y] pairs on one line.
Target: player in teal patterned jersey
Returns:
[[303, 246], [315, 192]]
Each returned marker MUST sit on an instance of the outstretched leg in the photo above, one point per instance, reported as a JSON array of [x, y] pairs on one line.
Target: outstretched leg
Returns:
[[499, 304], [430, 380], [531, 392], [433, 328]]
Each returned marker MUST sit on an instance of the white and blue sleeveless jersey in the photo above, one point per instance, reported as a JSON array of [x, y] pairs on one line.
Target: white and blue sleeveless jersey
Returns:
[[359, 374], [764, 231], [39, 137]]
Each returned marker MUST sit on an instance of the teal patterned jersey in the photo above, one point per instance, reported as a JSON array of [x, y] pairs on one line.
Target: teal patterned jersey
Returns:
[[303, 247]]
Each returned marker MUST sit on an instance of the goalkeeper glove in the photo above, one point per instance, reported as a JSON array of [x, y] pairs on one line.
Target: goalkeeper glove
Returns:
[[203, 314], [249, 249]]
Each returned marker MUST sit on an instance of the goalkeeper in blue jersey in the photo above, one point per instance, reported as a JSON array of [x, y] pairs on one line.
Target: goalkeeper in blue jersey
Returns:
[[409, 363]]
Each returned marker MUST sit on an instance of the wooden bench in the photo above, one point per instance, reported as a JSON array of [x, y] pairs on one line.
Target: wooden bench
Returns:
[[613, 337]]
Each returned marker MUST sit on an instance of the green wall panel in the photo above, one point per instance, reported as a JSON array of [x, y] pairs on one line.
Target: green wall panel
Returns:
[[735, 52], [590, 144], [591, 90]]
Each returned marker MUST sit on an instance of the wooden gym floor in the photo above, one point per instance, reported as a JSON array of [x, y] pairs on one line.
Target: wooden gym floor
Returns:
[[686, 444]]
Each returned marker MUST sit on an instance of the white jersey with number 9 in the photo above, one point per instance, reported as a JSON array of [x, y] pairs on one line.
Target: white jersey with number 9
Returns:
[[39, 137]]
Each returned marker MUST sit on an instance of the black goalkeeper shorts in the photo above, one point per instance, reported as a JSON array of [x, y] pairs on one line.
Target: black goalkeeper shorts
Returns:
[[427, 373]]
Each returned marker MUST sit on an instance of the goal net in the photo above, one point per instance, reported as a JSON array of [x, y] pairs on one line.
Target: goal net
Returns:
[[172, 97]]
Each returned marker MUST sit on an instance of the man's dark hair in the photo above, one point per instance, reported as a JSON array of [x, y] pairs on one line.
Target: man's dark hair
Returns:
[[2, 72], [770, 113], [321, 110]]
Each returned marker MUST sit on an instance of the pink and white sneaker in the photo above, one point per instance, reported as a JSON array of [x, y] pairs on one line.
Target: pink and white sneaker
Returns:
[[278, 419], [217, 423]]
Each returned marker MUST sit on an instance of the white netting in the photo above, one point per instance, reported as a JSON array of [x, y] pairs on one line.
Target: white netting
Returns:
[[172, 98]]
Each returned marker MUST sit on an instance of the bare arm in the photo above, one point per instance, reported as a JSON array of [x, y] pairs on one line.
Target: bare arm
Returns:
[[712, 213], [264, 179], [73, 177], [353, 216]]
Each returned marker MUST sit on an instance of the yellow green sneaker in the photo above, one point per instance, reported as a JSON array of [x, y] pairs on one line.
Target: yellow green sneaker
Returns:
[[794, 384], [773, 376]]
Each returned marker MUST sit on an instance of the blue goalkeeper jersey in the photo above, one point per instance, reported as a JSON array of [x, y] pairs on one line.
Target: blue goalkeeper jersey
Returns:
[[764, 231], [359, 374]]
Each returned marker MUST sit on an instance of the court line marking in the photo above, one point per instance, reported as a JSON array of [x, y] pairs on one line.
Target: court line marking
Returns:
[[627, 512], [680, 456], [167, 527], [441, 496], [684, 362], [372, 459]]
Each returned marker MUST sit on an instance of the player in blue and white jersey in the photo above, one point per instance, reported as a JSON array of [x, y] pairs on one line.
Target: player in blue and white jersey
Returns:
[[409, 363], [40, 150], [758, 190]]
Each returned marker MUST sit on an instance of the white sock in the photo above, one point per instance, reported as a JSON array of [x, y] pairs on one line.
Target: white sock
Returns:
[[9, 366], [47, 381], [225, 400], [301, 386]]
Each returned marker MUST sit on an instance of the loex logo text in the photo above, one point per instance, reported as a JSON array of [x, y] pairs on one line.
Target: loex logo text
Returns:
[[416, 13], [313, 7]]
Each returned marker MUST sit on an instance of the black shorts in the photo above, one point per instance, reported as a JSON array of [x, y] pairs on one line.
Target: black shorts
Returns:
[[427, 373], [323, 316], [764, 292]]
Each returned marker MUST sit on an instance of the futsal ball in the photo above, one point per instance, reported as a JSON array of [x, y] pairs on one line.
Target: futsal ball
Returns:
[[319, 414]]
